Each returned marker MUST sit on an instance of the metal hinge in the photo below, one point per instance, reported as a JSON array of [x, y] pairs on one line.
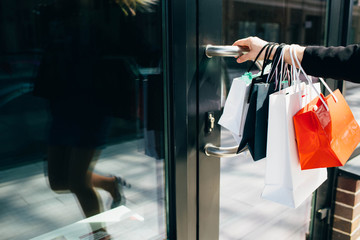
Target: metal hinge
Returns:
[[324, 214]]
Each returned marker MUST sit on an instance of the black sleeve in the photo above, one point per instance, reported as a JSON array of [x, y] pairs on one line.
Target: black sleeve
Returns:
[[341, 63]]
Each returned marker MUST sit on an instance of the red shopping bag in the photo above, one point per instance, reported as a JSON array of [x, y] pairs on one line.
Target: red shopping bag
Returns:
[[326, 138]]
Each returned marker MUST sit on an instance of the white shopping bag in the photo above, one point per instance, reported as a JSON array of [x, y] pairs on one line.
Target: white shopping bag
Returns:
[[236, 106], [285, 182]]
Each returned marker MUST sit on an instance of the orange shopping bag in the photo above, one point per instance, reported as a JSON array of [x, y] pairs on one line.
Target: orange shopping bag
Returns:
[[326, 135]]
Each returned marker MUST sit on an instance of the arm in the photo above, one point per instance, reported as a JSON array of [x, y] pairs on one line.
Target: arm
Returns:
[[333, 62]]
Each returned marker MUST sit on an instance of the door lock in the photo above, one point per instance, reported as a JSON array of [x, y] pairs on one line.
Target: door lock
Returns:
[[210, 123]]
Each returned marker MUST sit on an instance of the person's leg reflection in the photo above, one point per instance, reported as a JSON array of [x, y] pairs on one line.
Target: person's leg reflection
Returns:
[[104, 182], [57, 167], [80, 180], [71, 169]]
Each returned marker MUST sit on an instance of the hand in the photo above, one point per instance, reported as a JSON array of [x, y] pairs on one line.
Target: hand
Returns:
[[254, 44]]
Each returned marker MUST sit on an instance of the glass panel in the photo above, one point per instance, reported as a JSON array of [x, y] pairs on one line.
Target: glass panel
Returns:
[[352, 89], [81, 111], [242, 210]]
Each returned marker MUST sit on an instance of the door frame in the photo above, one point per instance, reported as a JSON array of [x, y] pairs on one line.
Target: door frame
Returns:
[[209, 100], [181, 116], [192, 177]]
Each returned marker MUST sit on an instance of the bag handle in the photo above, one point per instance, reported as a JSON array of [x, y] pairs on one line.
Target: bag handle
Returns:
[[275, 68], [328, 88], [321, 79], [294, 56], [294, 72], [269, 47], [277, 55], [282, 69], [253, 80], [258, 55], [308, 78], [268, 52]]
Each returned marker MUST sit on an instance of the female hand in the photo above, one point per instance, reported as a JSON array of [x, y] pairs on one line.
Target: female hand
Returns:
[[254, 44]]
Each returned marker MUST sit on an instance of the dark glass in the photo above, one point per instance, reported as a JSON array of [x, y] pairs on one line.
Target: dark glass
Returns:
[[243, 213], [351, 90], [82, 119]]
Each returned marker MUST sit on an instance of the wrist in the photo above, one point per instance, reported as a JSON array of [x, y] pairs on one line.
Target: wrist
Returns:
[[299, 51]]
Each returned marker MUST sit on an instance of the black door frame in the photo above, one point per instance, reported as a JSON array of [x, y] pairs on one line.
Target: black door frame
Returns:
[[209, 101], [180, 36], [193, 178]]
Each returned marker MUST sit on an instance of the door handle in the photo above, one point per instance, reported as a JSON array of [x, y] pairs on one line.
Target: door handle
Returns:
[[224, 51], [214, 151], [227, 51]]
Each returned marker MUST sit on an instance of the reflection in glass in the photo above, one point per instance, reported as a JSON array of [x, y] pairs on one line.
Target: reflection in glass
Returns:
[[81, 100]]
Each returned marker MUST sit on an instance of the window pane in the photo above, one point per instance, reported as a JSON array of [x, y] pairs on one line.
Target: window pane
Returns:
[[81, 110]]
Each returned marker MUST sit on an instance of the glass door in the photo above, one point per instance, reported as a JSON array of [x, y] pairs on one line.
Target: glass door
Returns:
[[82, 118], [238, 180]]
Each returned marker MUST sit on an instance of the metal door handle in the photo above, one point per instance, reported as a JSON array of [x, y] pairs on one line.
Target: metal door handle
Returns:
[[227, 51], [224, 51], [214, 151]]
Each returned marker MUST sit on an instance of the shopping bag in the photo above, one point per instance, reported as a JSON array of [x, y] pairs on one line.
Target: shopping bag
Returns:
[[325, 129], [285, 182], [255, 129], [326, 132], [236, 106]]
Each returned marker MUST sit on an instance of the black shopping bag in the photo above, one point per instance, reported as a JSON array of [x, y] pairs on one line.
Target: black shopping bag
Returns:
[[256, 123], [255, 129]]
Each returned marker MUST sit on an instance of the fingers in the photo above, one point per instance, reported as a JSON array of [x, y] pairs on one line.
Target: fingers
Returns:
[[245, 57], [254, 44], [243, 42]]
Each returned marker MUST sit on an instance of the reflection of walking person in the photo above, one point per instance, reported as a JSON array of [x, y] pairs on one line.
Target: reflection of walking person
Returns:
[[77, 40], [78, 131]]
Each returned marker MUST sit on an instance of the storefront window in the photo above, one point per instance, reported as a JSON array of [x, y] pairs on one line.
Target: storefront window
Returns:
[[81, 119]]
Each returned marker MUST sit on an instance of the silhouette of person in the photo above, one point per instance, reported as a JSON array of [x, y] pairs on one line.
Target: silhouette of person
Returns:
[[81, 80]]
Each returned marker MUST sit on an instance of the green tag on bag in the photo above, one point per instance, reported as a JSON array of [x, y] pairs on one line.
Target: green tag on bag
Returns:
[[247, 77]]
